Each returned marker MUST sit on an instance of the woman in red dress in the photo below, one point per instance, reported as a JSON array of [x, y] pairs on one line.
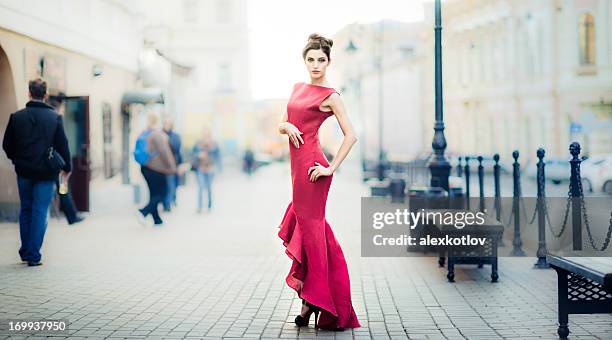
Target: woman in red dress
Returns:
[[318, 272]]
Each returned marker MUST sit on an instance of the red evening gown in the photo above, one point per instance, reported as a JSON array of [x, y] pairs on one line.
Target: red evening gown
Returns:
[[318, 273]]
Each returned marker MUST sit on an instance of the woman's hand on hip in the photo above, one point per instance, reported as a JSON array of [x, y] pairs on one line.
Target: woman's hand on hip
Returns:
[[314, 172]]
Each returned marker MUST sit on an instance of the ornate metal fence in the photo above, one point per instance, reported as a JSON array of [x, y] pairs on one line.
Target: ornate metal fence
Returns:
[[575, 205]]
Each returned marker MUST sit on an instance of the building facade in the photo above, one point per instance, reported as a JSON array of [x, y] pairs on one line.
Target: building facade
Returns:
[[520, 74], [210, 37], [378, 69], [87, 50]]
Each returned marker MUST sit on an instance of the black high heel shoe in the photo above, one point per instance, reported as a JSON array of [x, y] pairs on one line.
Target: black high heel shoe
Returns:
[[316, 311], [304, 320], [300, 320]]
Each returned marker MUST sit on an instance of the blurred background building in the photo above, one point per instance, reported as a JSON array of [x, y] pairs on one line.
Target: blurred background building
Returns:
[[87, 50], [117, 62], [209, 36], [518, 74], [382, 60], [522, 75]]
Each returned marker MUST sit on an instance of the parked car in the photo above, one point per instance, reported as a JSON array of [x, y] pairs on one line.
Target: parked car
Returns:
[[596, 174], [555, 170]]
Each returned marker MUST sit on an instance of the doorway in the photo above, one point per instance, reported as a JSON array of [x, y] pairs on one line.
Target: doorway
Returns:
[[76, 125], [9, 198]]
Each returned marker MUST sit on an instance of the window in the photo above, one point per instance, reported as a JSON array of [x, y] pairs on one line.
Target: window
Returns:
[[107, 137], [107, 131], [471, 68], [224, 75], [223, 11], [540, 49], [496, 63], [527, 53], [586, 39], [466, 65], [483, 59], [458, 62], [190, 10]]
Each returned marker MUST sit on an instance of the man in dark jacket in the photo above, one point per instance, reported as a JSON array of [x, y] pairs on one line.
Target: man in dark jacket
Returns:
[[29, 134]]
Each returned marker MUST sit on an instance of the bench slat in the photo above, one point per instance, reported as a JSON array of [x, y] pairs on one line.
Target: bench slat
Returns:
[[598, 269]]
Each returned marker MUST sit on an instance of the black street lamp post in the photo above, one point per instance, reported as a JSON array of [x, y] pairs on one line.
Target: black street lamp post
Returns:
[[439, 166]]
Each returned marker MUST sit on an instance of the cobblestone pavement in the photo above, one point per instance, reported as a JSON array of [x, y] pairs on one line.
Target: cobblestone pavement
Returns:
[[221, 275]]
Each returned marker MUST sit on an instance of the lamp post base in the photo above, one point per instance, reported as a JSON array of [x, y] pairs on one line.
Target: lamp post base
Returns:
[[440, 170], [541, 264]]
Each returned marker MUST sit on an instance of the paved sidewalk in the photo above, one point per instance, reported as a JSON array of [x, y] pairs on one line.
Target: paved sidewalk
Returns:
[[221, 275]]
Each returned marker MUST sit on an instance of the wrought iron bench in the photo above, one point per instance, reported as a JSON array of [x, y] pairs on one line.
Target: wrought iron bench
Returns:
[[491, 230], [584, 287]]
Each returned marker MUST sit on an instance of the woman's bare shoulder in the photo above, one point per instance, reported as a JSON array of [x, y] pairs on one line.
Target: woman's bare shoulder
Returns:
[[334, 98]]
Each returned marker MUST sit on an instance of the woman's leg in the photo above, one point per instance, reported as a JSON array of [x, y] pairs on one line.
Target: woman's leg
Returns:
[[160, 188], [67, 206], [157, 189], [200, 178], [209, 179], [146, 173]]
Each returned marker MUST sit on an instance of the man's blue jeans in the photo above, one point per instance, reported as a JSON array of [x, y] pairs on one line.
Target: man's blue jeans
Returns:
[[35, 196]]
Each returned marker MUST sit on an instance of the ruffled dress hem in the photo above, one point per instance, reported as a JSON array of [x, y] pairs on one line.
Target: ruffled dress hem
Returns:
[[291, 234]]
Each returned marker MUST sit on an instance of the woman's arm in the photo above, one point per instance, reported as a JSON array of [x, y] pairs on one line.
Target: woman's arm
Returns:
[[294, 134], [282, 128], [350, 138]]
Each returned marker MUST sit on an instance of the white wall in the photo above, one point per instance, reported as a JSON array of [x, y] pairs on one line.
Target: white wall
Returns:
[[402, 86], [101, 29], [211, 37], [512, 78]]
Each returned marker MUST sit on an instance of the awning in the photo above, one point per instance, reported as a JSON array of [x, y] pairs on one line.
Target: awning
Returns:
[[143, 96]]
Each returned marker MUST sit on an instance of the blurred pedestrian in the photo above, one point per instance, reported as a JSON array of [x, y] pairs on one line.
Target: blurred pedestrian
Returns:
[[67, 205], [36, 143], [206, 157], [248, 161], [174, 139], [156, 161]]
